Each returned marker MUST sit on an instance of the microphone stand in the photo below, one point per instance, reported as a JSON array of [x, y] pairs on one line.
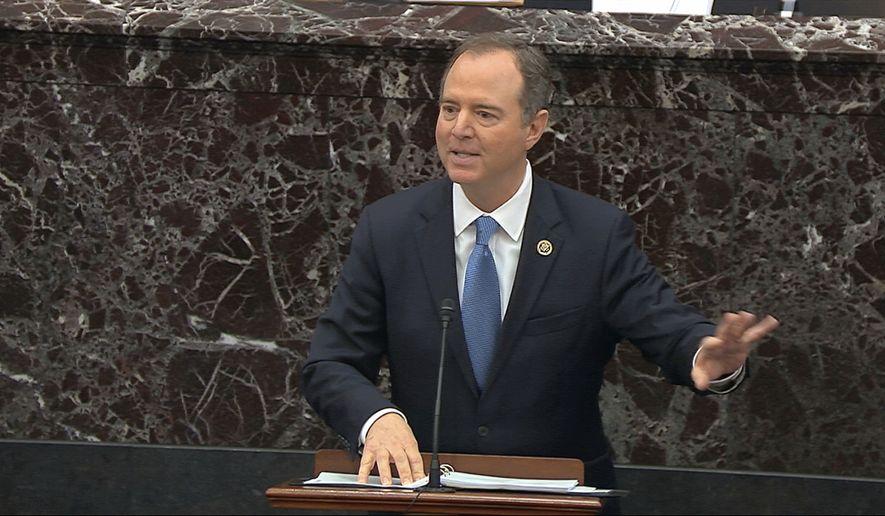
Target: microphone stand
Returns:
[[446, 309]]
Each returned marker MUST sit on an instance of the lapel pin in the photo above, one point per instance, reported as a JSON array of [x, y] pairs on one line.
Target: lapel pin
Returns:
[[545, 247]]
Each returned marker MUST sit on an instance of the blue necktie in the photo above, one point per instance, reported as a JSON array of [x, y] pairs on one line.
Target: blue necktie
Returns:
[[481, 301]]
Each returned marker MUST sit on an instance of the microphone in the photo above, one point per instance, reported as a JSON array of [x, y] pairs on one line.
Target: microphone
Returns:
[[446, 310]]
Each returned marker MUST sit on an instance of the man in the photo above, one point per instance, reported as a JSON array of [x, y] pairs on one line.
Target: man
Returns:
[[549, 281]]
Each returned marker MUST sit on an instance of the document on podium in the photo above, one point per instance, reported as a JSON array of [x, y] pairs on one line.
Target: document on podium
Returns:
[[459, 480], [326, 478]]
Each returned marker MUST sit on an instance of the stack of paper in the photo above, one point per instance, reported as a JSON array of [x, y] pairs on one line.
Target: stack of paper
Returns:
[[348, 479], [458, 480]]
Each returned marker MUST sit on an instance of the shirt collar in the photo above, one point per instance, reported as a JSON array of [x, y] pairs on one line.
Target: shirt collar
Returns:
[[510, 215]]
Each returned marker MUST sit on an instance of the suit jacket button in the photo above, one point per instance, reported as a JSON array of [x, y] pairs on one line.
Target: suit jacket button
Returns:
[[483, 431]]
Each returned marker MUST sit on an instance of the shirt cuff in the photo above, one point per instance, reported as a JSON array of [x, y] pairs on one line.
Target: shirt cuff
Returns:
[[725, 384], [371, 421]]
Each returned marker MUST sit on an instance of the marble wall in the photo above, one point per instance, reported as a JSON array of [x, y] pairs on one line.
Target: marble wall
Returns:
[[179, 182]]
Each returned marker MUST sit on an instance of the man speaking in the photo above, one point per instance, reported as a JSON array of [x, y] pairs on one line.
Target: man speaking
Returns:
[[548, 281]]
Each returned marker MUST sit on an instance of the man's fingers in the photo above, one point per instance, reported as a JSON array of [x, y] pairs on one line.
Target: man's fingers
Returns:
[[390, 441], [403, 467], [700, 378], [746, 320], [761, 329], [417, 463], [383, 461], [366, 464], [727, 329], [736, 327]]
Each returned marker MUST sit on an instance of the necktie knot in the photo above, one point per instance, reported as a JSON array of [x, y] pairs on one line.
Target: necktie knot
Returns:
[[485, 228]]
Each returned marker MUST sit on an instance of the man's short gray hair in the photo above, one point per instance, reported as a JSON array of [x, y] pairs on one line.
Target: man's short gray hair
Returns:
[[537, 85]]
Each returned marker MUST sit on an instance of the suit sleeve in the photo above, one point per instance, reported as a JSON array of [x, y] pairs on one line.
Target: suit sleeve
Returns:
[[642, 307], [348, 343]]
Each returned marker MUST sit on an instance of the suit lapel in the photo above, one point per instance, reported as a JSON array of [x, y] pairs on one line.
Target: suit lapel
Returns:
[[541, 223], [436, 247]]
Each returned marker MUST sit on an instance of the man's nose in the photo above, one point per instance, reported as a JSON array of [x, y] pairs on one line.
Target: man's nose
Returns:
[[463, 127]]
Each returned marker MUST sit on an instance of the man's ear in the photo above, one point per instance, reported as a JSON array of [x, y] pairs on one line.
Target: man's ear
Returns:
[[536, 128]]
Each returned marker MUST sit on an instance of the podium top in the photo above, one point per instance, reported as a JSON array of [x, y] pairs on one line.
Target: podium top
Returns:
[[295, 496]]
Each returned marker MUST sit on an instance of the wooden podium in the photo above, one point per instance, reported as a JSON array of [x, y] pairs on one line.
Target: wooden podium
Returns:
[[286, 496]]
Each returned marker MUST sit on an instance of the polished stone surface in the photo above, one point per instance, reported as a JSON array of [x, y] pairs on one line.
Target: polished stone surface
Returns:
[[179, 182]]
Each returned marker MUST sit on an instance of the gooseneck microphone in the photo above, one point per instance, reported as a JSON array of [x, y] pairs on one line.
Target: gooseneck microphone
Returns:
[[446, 310]]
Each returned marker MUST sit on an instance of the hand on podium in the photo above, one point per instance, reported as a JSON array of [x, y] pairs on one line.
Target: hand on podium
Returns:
[[390, 441]]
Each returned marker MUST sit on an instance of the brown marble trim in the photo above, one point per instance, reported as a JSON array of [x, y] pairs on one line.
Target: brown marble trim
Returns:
[[374, 24]]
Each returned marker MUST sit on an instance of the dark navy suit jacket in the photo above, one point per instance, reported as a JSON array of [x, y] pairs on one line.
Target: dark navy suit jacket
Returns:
[[567, 312]]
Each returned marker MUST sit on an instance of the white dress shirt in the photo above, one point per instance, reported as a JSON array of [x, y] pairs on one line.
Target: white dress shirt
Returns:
[[505, 244]]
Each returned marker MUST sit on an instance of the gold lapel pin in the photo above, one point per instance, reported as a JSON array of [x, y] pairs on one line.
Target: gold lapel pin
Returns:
[[545, 247]]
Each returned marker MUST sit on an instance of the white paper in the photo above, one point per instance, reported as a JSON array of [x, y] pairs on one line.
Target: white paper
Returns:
[[587, 490], [694, 7], [349, 479], [453, 479], [457, 479]]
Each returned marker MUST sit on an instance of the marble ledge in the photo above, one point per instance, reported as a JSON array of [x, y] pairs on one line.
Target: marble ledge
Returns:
[[377, 23]]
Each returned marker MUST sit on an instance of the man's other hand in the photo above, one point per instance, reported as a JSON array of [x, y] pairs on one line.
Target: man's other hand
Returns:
[[391, 441], [725, 352]]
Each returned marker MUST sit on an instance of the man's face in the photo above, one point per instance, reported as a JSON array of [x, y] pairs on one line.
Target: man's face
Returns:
[[480, 135]]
